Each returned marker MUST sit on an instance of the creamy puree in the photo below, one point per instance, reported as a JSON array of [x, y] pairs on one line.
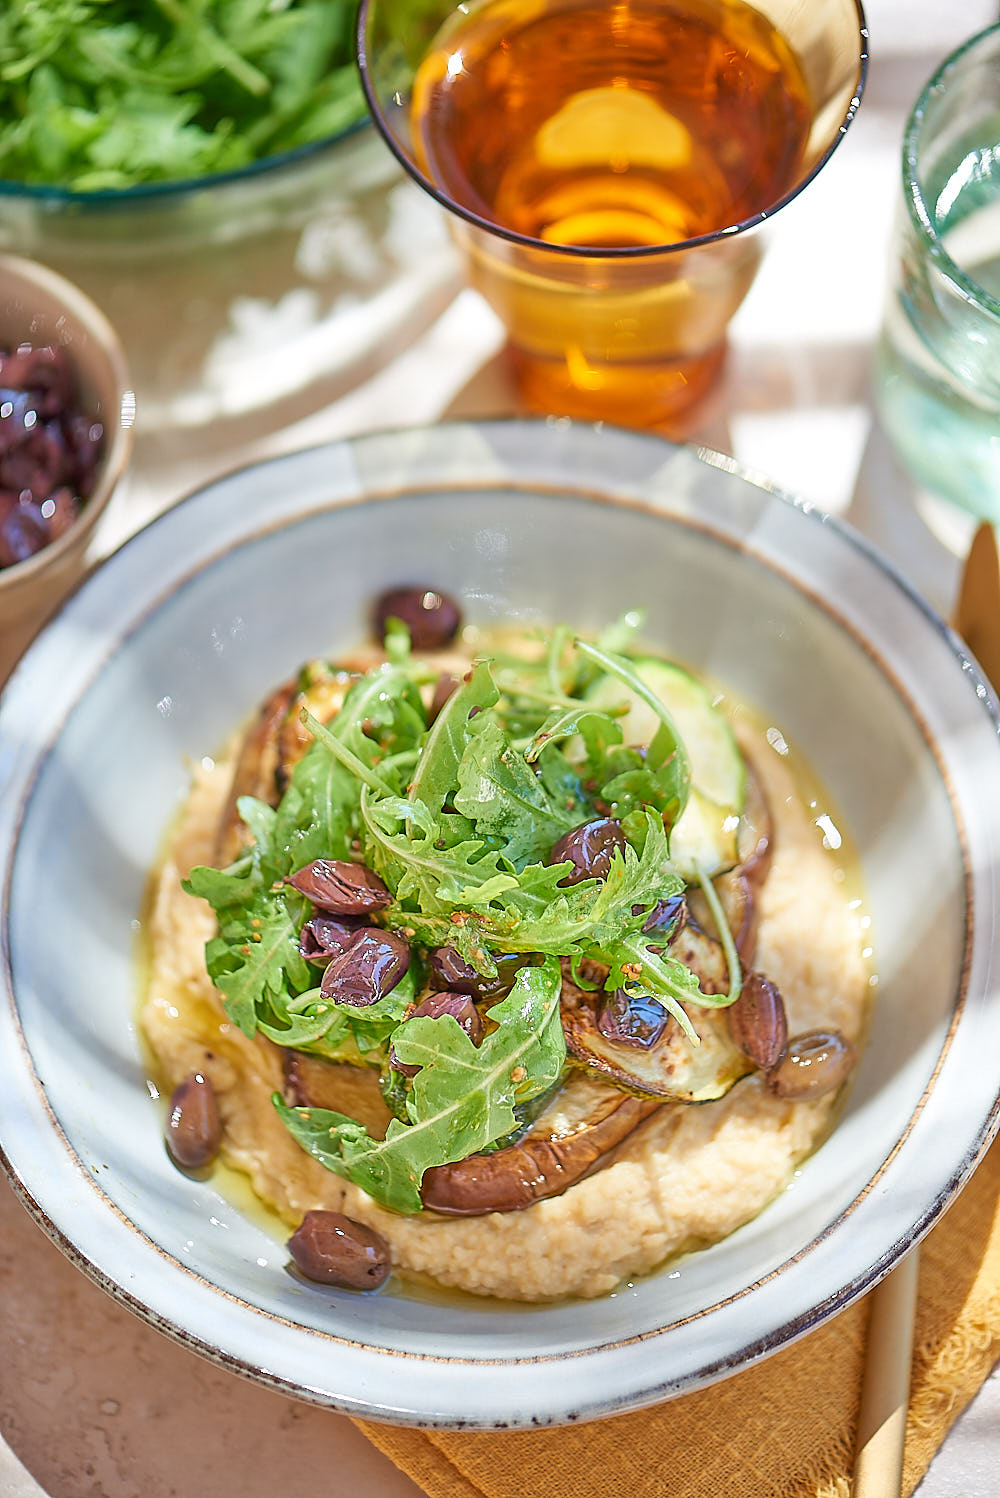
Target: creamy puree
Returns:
[[686, 1177]]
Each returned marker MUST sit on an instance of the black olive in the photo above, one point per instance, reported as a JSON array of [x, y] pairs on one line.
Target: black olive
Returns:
[[326, 936], [458, 1005], [432, 618], [449, 970], [816, 1062], [194, 1130], [757, 1022], [366, 970], [335, 1250], [638, 1021], [589, 848], [341, 887]]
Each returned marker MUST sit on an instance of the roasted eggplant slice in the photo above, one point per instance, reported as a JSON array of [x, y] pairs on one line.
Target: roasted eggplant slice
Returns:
[[586, 1121], [313, 1082], [321, 690], [274, 743], [255, 771]]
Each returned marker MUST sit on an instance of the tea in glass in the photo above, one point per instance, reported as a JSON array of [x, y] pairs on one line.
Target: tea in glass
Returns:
[[603, 164]]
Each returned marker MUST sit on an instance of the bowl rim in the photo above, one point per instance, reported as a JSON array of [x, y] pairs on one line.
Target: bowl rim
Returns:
[[176, 187], [841, 1295], [88, 316]]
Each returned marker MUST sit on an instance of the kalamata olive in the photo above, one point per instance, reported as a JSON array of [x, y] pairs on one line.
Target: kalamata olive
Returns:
[[18, 417], [443, 688], [22, 534], [458, 1005], [45, 371], [666, 917], [589, 848], [85, 438], [816, 1062], [194, 1129], [757, 1022], [340, 887], [432, 618], [638, 1021], [59, 511], [366, 970], [335, 1250], [326, 936], [448, 970]]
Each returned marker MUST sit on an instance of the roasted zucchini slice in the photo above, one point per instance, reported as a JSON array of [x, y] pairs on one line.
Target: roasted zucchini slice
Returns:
[[705, 835]]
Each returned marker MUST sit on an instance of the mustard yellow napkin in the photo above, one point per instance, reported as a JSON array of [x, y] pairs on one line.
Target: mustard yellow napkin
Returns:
[[784, 1429]]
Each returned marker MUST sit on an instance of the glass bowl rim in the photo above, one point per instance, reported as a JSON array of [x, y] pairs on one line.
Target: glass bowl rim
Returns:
[[612, 252], [924, 221], [175, 187]]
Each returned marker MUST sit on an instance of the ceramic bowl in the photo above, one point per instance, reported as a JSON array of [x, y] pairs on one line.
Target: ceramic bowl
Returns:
[[37, 306], [175, 639]]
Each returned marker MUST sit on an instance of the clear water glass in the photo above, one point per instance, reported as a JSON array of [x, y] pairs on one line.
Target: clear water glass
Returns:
[[938, 358]]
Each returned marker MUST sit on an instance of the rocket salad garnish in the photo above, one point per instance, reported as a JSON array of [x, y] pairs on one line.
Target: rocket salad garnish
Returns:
[[522, 844], [107, 94]]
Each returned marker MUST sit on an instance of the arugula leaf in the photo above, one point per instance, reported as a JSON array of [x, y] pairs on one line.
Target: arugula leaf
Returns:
[[340, 1032], [566, 722], [439, 879], [256, 953], [107, 94], [501, 794], [458, 722], [666, 753], [462, 1099]]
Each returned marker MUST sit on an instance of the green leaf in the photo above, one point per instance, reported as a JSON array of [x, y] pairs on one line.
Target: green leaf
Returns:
[[438, 880], [458, 722], [317, 815], [462, 1099], [340, 1032], [504, 798], [110, 93], [255, 956], [566, 722], [667, 744]]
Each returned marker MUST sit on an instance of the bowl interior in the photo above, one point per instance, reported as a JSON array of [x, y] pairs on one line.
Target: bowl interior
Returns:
[[174, 642]]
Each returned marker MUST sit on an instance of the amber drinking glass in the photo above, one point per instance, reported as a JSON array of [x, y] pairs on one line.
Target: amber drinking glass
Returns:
[[608, 165]]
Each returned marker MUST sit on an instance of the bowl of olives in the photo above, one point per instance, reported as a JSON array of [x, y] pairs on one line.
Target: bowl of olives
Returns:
[[65, 434]]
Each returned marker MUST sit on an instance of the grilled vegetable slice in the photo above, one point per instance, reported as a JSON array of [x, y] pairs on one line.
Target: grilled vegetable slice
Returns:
[[671, 1069], [706, 832], [739, 888], [314, 1082], [570, 1138], [274, 743], [255, 771]]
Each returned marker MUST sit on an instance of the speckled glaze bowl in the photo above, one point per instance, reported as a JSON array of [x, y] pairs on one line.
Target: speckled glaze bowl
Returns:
[[173, 641]]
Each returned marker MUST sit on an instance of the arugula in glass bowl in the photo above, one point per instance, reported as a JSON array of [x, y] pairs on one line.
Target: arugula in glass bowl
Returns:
[[105, 95], [482, 897]]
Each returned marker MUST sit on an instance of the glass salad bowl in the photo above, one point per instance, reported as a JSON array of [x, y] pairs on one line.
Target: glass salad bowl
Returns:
[[246, 300]]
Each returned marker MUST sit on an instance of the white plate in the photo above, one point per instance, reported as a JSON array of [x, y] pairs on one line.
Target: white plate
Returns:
[[175, 639]]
